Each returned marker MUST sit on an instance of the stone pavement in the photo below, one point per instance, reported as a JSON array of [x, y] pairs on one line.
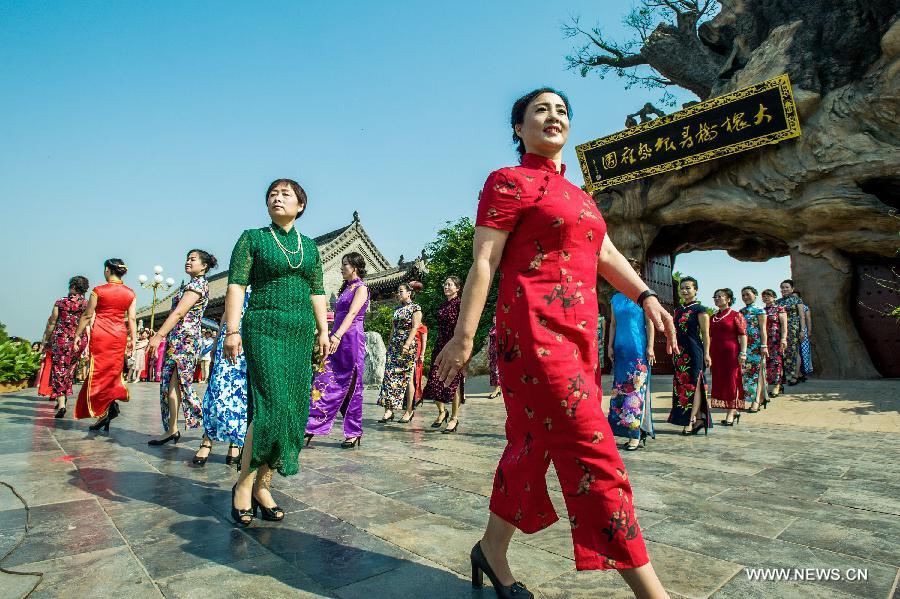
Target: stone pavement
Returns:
[[791, 487]]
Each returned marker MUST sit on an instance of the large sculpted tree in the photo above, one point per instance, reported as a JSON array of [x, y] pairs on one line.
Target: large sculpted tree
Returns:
[[825, 198]]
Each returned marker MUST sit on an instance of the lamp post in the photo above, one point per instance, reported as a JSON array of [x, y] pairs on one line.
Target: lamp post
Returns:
[[156, 284]]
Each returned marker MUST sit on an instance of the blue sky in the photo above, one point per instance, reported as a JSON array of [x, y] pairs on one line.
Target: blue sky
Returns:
[[140, 130]]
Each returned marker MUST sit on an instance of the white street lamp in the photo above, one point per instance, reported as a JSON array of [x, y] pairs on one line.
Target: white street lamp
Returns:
[[157, 284]]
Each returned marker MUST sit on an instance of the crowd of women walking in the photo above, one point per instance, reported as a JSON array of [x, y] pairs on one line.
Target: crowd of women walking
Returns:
[[280, 374]]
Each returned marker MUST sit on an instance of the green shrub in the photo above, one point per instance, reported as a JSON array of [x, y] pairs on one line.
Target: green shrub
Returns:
[[17, 362]]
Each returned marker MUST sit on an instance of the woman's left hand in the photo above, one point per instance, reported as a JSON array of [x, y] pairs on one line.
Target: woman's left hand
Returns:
[[651, 357], [742, 358], [333, 343], [765, 351], [663, 322]]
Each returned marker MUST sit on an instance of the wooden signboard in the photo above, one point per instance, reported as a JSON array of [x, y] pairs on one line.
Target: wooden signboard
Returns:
[[742, 120]]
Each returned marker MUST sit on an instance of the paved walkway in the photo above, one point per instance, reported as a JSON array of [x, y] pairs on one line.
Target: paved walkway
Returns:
[[805, 484]]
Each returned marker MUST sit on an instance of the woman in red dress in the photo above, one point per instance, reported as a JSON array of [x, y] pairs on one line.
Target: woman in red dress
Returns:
[[59, 339], [109, 346], [728, 351], [549, 242]]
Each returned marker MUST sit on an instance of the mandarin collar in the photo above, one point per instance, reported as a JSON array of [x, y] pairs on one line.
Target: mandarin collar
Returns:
[[541, 163], [279, 231]]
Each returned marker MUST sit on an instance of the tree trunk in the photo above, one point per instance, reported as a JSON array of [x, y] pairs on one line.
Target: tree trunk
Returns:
[[837, 349]]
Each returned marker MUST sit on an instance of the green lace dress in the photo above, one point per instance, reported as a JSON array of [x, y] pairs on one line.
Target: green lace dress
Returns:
[[278, 332]]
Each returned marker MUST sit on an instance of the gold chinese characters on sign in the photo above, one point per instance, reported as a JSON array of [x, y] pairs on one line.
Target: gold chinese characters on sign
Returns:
[[748, 118]]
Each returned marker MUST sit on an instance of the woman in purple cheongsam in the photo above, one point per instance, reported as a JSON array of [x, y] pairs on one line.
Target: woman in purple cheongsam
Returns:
[[338, 384]]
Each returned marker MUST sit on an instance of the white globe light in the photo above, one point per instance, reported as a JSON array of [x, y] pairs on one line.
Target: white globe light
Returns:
[[142, 279], [157, 269], [170, 281], [158, 278]]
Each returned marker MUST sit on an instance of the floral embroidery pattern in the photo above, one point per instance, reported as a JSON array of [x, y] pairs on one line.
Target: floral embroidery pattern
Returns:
[[627, 399]]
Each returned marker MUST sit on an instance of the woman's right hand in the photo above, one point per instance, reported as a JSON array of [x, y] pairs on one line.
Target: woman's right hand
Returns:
[[707, 361], [232, 347], [452, 359], [610, 353]]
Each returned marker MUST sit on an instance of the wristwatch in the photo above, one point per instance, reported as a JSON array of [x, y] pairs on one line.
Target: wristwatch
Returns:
[[643, 296]]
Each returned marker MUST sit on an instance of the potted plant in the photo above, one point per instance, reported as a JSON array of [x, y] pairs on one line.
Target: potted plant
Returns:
[[18, 364]]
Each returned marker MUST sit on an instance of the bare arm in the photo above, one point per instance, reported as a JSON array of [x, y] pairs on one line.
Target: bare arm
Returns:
[[651, 339], [416, 322], [187, 301], [51, 322], [703, 320], [132, 326], [612, 336], [487, 248], [615, 268], [783, 319], [742, 342], [320, 312], [234, 302], [763, 335], [86, 316]]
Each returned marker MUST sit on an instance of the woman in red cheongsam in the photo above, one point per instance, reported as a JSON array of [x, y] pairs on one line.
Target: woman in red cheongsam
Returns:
[[548, 240], [728, 350]]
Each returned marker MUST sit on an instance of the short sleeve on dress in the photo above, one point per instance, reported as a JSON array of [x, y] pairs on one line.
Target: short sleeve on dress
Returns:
[[413, 308], [316, 285], [499, 203], [196, 285], [241, 261], [740, 324]]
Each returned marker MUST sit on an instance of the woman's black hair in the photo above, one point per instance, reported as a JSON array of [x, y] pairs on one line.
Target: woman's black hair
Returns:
[[691, 279], [797, 293], [517, 116], [79, 284], [789, 282], [751, 288], [456, 281], [769, 292], [116, 267], [208, 260], [357, 261], [298, 191], [413, 286], [728, 293]]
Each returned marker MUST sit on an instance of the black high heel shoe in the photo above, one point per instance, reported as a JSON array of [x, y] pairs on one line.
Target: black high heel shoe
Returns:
[[449, 430], [111, 412], [241, 517], [272, 514], [202, 461], [407, 421], [441, 421], [231, 459], [696, 430], [480, 567], [347, 444], [307, 437], [174, 437], [60, 412], [386, 419], [641, 443]]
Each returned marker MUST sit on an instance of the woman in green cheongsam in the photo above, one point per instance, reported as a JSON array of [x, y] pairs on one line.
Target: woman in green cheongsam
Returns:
[[283, 323]]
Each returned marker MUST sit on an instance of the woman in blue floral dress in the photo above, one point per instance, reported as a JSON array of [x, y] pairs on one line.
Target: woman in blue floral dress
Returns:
[[225, 402], [631, 337], [401, 353], [184, 342]]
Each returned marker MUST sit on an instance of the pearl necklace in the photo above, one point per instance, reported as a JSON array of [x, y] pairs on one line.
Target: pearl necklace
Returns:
[[286, 251], [720, 318]]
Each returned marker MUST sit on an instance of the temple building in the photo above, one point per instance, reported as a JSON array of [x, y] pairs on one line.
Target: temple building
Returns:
[[382, 279]]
